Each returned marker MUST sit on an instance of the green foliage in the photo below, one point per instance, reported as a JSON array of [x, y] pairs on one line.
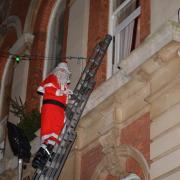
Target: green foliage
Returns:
[[29, 121]]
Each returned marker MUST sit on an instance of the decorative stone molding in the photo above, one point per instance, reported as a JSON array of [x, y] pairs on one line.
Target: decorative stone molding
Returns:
[[23, 44], [11, 21], [114, 161], [167, 33]]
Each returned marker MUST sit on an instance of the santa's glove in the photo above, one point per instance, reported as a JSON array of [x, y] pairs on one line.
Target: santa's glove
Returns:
[[69, 92], [59, 92]]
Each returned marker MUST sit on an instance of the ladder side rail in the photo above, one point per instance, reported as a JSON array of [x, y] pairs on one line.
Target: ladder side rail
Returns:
[[74, 111], [69, 128], [61, 162], [96, 68]]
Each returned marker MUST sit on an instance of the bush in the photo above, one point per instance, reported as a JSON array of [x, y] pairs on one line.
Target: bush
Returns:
[[29, 121]]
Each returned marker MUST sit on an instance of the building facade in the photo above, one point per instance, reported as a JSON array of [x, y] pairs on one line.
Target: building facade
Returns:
[[130, 122]]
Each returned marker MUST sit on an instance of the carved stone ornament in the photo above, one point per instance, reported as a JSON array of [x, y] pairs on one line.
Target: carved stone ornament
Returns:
[[114, 161]]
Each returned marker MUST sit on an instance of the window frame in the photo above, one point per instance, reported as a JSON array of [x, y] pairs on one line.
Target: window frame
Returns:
[[114, 30]]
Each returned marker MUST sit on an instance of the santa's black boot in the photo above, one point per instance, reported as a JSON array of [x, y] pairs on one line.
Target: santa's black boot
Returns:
[[42, 156]]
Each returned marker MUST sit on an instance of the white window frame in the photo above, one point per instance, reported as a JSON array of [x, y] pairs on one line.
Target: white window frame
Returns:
[[112, 67]]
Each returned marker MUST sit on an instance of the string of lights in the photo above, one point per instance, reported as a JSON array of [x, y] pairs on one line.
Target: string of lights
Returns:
[[18, 57]]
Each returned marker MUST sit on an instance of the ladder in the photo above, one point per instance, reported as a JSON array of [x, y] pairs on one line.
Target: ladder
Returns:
[[74, 110]]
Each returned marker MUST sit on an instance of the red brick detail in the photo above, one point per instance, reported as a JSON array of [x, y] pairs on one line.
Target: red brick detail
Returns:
[[110, 177], [37, 54], [133, 166], [98, 27], [144, 20], [20, 9], [89, 162], [137, 134]]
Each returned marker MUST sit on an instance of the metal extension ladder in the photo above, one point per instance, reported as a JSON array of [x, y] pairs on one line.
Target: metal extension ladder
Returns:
[[74, 110]]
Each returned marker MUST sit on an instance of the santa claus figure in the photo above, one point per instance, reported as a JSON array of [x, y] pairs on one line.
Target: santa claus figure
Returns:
[[55, 92]]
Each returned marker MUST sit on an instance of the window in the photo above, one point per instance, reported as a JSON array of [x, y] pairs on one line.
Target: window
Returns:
[[123, 25], [55, 34]]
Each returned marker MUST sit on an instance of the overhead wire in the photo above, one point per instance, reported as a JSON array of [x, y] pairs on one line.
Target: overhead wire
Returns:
[[39, 57]]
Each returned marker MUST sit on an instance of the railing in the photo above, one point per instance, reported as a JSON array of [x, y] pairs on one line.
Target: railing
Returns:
[[123, 28]]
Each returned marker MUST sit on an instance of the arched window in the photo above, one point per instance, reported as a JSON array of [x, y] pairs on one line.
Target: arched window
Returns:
[[55, 34]]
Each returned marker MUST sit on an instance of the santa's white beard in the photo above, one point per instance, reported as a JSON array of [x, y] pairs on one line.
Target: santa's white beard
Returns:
[[62, 77]]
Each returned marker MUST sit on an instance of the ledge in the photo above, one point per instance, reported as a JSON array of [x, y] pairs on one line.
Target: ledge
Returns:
[[168, 32]]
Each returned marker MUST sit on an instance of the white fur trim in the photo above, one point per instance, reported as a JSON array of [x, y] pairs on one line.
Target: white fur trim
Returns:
[[40, 89], [48, 136], [51, 142], [62, 87], [49, 85], [59, 92]]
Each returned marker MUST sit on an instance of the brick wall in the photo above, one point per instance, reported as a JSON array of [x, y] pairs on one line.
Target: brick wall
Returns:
[[89, 162], [109, 177], [37, 54], [38, 51], [133, 166], [144, 20], [98, 27], [20, 9], [137, 135]]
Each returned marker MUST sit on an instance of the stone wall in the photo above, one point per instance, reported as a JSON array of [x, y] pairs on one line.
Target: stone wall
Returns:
[[132, 129]]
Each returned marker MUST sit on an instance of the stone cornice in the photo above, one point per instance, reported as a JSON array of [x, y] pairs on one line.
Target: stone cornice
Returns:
[[168, 32], [123, 98]]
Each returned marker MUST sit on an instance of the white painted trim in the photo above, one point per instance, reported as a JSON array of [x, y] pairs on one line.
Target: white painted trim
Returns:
[[48, 136], [18, 45], [85, 33], [2, 87], [110, 48], [128, 20], [31, 16], [50, 28], [168, 32], [120, 7]]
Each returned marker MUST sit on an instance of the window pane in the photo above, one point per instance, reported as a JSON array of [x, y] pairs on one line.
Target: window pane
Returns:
[[126, 11], [117, 3]]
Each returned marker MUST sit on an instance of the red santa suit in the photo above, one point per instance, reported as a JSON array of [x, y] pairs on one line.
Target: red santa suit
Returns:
[[55, 97]]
